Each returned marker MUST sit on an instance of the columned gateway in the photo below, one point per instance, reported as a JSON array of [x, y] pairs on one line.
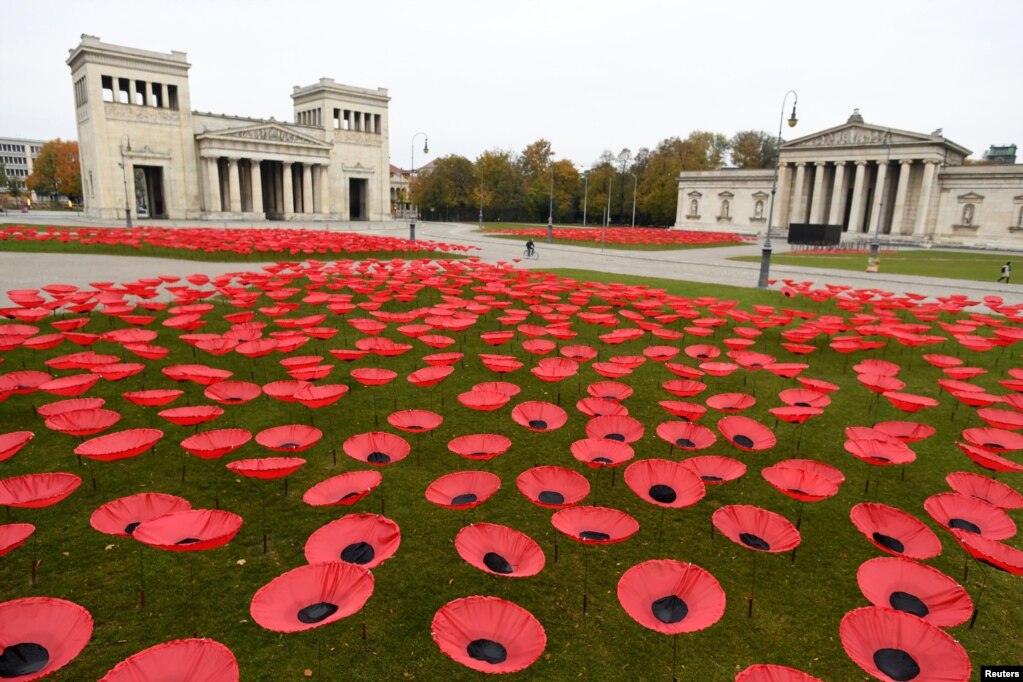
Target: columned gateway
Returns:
[[870, 180], [134, 113]]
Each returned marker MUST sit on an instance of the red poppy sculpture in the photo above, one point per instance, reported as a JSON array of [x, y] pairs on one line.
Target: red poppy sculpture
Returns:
[[499, 550], [756, 528], [13, 535], [664, 483], [671, 597], [364, 539], [40, 635], [715, 469], [344, 489], [893, 582], [195, 660], [122, 516], [480, 446], [378, 448], [189, 531], [539, 416], [488, 635], [968, 514], [895, 531], [595, 525], [12, 443], [767, 672], [289, 438], [985, 488], [552, 487], [37, 490], [463, 489], [746, 434], [892, 645], [312, 596], [119, 445]]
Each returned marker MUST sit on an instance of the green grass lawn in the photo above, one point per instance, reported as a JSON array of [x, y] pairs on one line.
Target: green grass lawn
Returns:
[[969, 265], [798, 604]]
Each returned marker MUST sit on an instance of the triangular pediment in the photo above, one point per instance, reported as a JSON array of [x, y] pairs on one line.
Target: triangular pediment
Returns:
[[265, 132], [860, 135]]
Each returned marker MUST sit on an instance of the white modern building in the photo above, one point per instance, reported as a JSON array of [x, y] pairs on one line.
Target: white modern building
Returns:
[[143, 148], [869, 179]]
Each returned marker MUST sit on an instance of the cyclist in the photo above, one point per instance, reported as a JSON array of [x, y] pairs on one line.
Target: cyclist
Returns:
[[529, 249]]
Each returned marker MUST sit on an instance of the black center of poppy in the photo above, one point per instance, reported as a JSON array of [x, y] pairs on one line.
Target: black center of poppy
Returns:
[[415, 427], [878, 458], [615, 436], [497, 563], [187, 541], [378, 458], [481, 453], [743, 441], [551, 497], [904, 601], [130, 528], [994, 446], [594, 535], [754, 541], [348, 496], [710, 479], [358, 553], [888, 542], [464, 498], [537, 424], [662, 493], [315, 613], [963, 524], [684, 443], [601, 460], [797, 491], [896, 664], [487, 650], [669, 609], [231, 399], [802, 404], [703, 356], [23, 658], [288, 446]]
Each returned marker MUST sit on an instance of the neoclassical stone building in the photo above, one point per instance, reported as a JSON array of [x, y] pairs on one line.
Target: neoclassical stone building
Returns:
[[143, 147], [866, 178]]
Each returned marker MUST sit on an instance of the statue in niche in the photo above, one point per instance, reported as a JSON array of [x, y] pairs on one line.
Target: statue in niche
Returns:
[[1019, 218], [694, 207], [968, 214], [725, 208], [758, 210]]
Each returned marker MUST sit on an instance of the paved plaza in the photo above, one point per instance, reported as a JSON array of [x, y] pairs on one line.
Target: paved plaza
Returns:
[[32, 270]]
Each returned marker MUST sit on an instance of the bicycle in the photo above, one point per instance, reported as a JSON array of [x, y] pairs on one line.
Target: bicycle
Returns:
[[530, 254]]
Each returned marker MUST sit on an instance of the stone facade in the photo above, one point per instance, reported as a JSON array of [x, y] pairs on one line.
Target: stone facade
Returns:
[[144, 150], [868, 179]]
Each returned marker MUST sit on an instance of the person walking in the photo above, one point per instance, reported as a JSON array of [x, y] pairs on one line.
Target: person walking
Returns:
[[1006, 272]]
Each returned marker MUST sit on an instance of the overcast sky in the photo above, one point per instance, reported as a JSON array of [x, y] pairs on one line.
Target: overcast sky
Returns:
[[588, 76]]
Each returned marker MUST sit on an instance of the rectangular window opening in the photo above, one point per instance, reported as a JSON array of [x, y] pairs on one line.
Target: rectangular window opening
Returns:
[[337, 119], [140, 93], [172, 96], [108, 88], [123, 91], [156, 96], [376, 123]]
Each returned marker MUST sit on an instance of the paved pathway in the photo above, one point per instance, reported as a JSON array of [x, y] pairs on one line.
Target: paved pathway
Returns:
[[27, 271]]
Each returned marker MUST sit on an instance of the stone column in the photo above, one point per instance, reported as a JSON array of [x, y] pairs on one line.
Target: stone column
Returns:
[[858, 207], [213, 186], [930, 168], [838, 195], [880, 189], [817, 205], [324, 189], [256, 184], [307, 188], [132, 91], [905, 166], [234, 190], [289, 192], [798, 213], [781, 203]]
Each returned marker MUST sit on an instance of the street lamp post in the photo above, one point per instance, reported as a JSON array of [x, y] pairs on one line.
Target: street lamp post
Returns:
[[481, 208], [875, 244], [635, 181], [550, 211], [124, 179], [607, 214], [586, 193], [765, 254], [411, 176]]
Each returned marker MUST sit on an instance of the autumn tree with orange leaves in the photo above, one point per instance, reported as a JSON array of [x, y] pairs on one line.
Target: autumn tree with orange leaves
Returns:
[[57, 170]]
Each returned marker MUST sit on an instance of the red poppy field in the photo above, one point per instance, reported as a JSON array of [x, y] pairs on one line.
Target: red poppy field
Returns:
[[415, 469], [624, 237]]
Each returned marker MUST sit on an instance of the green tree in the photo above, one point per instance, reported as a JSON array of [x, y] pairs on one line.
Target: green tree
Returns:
[[447, 187], [56, 170], [753, 149], [535, 164], [500, 178]]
